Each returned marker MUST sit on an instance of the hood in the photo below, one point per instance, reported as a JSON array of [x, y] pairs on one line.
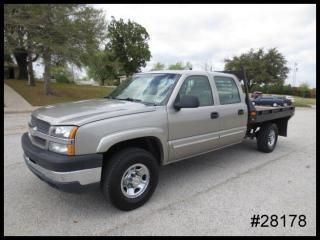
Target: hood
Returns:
[[82, 112]]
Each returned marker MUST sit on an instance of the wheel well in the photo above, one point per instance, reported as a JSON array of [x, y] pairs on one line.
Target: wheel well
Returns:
[[150, 144], [282, 125]]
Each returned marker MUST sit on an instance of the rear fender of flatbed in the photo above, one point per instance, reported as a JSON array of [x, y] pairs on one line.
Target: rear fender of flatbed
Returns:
[[264, 115]]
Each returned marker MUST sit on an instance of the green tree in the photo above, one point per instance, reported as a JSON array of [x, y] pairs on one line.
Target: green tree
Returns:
[[129, 41], [261, 67], [180, 66], [104, 66], [158, 66], [19, 27], [67, 32]]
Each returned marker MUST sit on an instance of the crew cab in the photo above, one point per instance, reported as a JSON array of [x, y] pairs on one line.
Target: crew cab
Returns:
[[151, 120]]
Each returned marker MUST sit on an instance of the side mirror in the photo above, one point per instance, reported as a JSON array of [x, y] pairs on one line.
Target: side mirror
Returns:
[[187, 102]]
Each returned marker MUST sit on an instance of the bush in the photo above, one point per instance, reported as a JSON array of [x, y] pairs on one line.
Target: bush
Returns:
[[62, 78], [301, 91], [61, 74], [313, 93]]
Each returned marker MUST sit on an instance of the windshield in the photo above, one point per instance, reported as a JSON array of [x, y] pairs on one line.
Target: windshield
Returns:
[[148, 88]]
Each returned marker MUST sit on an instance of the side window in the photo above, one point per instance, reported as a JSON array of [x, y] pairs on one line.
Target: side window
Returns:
[[199, 87], [228, 90]]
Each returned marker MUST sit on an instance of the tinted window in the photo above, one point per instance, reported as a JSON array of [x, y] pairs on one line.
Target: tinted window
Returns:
[[228, 90], [199, 87]]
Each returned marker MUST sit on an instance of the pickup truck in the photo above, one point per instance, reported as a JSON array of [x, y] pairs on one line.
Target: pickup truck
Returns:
[[153, 119]]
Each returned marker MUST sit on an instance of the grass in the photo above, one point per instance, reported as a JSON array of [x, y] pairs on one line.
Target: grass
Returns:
[[304, 102], [62, 92]]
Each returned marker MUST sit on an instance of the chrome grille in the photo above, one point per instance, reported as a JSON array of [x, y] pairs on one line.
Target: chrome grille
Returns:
[[42, 126]]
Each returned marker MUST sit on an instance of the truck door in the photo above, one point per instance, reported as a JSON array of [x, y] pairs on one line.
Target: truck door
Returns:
[[193, 130], [233, 110]]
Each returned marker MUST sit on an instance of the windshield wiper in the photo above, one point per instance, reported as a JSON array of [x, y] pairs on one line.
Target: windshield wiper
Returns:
[[134, 100], [130, 99], [110, 97]]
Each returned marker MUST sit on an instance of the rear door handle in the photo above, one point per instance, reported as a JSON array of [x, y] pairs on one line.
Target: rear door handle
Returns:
[[214, 115], [240, 112]]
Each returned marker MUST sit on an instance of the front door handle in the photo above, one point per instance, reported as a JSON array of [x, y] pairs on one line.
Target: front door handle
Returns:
[[214, 115], [240, 112]]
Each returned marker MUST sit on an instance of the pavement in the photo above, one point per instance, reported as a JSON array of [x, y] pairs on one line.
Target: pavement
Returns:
[[14, 102], [214, 194]]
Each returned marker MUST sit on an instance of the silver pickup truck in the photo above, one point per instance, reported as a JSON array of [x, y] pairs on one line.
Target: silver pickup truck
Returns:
[[153, 119]]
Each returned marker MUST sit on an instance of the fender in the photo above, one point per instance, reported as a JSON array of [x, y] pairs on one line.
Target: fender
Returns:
[[111, 139]]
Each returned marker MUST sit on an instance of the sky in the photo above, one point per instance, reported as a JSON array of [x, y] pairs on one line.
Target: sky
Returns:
[[210, 33]]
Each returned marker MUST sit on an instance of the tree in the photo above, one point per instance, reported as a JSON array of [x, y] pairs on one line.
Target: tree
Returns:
[[104, 66], [60, 32], [19, 22], [158, 66], [261, 68], [180, 66], [129, 41]]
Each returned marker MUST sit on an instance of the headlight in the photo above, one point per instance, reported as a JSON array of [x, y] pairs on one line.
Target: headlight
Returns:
[[67, 132]]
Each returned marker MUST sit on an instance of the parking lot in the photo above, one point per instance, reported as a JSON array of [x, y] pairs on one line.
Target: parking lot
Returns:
[[214, 194]]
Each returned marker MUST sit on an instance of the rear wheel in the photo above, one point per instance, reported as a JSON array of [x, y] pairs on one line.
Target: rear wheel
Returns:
[[267, 137], [129, 178]]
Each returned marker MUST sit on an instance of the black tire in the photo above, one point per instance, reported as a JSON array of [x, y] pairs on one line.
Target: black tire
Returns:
[[263, 138], [114, 170]]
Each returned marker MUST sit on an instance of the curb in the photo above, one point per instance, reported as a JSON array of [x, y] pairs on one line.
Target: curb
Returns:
[[13, 110]]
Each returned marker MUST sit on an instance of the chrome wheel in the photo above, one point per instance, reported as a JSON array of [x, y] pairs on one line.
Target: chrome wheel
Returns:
[[135, 180], [275, 104], [271, 138]]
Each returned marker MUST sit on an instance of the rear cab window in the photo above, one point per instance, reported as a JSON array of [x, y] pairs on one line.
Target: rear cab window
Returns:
[[228, 91]]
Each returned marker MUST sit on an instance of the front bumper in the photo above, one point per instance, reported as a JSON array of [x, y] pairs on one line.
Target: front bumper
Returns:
[[67, 173]]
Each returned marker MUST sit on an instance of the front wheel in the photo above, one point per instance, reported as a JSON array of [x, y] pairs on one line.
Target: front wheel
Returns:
[[129, 178], [267, 138]]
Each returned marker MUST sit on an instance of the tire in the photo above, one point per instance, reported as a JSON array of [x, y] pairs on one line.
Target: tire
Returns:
[[120, 187], [264, 138]]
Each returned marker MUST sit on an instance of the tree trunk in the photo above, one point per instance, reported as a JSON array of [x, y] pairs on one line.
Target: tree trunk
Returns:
[[31, 81], [47, 71], [21, 58]]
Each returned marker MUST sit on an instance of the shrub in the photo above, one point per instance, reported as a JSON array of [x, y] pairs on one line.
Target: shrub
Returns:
[[61, 74]]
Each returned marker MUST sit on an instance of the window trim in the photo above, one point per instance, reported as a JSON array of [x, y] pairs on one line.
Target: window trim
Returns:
[[214, 79], [186, 78]]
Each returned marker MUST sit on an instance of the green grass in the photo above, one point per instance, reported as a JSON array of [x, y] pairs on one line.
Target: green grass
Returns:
[[61, 92], [304, 102]]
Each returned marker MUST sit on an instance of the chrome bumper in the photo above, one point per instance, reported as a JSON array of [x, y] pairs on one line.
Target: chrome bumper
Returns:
[[83, 177]]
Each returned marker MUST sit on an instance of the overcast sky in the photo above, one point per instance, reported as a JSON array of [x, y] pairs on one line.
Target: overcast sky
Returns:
[[210, 33]]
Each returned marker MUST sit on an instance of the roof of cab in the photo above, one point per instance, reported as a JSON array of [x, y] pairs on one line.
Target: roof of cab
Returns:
[[192, 72]]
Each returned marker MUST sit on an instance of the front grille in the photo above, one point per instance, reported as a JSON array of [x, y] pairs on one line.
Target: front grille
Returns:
[[42, 126]]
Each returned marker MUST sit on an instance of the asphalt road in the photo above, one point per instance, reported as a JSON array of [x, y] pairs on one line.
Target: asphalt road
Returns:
[[215, 194]]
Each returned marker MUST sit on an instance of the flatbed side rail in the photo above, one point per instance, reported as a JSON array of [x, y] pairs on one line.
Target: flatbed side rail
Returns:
[[263, 115]]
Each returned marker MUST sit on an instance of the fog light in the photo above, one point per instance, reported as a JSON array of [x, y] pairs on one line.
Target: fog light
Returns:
[[58, 148]]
